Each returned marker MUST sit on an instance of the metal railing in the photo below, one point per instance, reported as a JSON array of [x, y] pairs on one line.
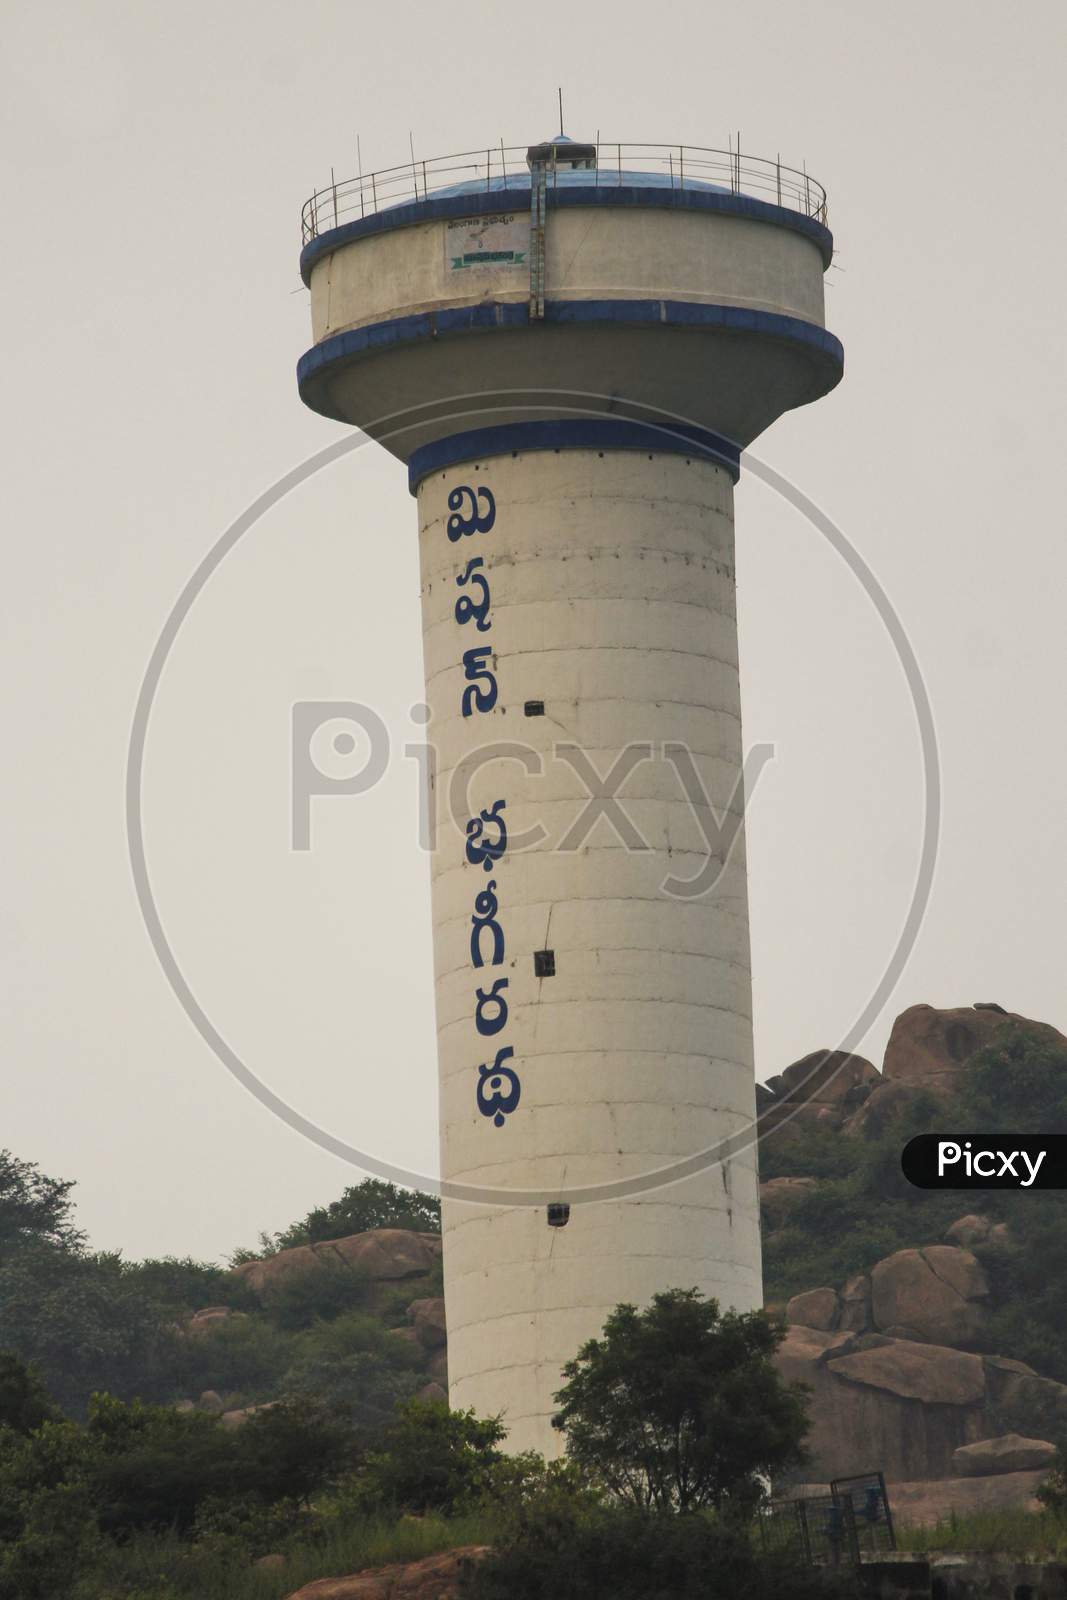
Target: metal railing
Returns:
[[850, 1525], [677, 165]]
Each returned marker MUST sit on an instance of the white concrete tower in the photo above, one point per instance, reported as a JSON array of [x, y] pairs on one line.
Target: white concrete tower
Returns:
[[569, 347]]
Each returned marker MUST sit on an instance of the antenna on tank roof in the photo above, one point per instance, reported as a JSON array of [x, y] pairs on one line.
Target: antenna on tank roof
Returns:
[[561, 111]]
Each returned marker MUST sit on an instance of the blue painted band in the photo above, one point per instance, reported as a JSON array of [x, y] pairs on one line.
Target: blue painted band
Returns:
[[579, 433], [497, 201], [380, 336]]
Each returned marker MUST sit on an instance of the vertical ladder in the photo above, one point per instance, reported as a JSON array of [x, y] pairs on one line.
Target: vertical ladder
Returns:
[[538, 187]]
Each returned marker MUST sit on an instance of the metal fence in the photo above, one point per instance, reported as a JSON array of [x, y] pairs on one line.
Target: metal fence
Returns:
[[676, 165], [851, 1524]]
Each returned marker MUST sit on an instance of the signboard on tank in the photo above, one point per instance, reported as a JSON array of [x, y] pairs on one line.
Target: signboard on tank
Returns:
[[474, 243]]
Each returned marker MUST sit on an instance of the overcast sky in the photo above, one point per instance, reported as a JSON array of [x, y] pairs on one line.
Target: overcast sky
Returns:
[[155, 161]]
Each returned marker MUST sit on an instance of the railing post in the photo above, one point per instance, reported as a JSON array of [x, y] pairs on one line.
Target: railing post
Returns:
[[778, 175], [802, 1518], [681, 166], [374, 191], [333, 186]]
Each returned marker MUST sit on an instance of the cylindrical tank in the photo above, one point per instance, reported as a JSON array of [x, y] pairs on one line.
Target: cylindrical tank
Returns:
[[572, 424]]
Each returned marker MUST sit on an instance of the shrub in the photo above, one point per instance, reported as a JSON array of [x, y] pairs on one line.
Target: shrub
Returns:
[[592, 1551], [430, 1459], [680, 1406]]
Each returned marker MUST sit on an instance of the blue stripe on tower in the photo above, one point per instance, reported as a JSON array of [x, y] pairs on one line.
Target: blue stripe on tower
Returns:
[[377, 336], [580, 433]]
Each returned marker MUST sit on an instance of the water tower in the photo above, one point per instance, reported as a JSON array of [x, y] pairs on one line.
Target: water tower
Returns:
[[569, 346]]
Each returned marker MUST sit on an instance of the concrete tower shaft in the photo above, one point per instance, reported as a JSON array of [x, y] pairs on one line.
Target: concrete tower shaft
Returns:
[[572, 446], [612, 603]]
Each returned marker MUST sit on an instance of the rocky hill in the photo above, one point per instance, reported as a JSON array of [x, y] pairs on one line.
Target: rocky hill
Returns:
[[913, 1361], [929, 1331]]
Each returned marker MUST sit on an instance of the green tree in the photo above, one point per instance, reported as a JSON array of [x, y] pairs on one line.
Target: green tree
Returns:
[[679, 1407], [366, 1205], [86, 1324], [430, 1459], [24, 1401], [34, 1208]]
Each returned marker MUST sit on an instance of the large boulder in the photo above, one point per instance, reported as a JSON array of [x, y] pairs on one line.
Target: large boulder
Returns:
[[815, 1308], [929, 1047], [819, 1090], [968, 1230], [886, 1404], [855, 1312], [911, 1371], [434, 1578], [428, 1319], [1010, 1453], [885, 1104], [1015, 1387], [920, 1503], [934, 1295], [383, 1255]]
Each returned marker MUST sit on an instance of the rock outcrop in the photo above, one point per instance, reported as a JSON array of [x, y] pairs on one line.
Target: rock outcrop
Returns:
[[428, 1319], [1010, 1453], [968, 1230], [927, 1050], [935, 1294], [884, 1403], [820, 1090], [383, 1255], [815, 1308], [434, 1578], [920, 1503]]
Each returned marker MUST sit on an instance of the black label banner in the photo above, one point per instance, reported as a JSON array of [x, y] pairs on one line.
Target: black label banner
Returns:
[[986, 1161]]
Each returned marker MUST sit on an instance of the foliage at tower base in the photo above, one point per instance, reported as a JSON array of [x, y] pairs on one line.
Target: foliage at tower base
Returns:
[[589, 1551], [679, 1407]]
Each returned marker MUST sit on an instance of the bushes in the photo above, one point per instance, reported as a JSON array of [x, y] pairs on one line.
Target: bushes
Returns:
[[430, 1459], [589, 1551], [356, 1363]]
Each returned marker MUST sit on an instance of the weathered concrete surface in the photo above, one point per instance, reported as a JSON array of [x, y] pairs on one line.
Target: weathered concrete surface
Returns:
[[628, 255], [612, 582]]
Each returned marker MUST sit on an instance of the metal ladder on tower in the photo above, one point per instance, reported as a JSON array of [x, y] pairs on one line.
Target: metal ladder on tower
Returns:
[[538, 191]]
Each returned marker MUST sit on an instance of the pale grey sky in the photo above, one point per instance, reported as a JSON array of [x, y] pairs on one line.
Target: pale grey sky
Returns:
[[155, 161]]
